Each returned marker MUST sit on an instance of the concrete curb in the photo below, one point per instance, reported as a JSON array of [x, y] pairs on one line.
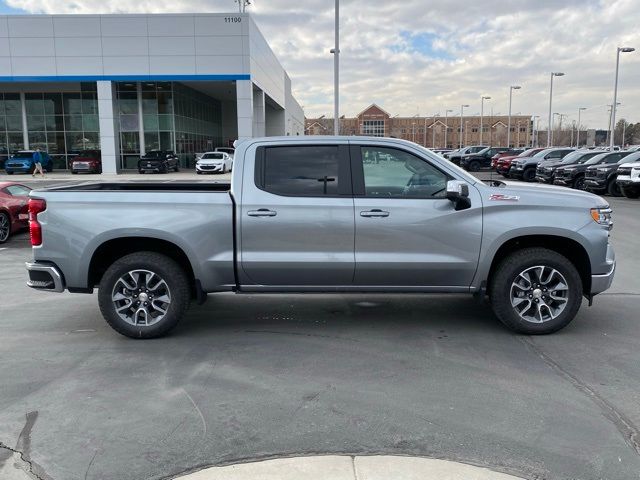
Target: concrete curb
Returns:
[[342, 467]]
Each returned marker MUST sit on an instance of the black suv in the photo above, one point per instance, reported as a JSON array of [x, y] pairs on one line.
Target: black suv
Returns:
[[602, 178], [546, 170], [482, 159], [573, 175], [158, 161]]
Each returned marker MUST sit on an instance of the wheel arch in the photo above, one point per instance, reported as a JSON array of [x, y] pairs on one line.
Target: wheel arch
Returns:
[[567, 247], [111, 250]]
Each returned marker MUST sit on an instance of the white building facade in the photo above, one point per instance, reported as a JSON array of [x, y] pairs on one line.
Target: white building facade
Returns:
[[128, 84]]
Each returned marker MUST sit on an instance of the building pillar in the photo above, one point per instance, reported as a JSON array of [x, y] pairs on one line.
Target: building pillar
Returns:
[[258, 113], [109, 142], [25, 131], [143, 149], [244, 102]]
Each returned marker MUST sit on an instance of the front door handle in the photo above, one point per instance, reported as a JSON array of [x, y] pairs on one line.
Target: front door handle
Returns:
[[376, 212], [262, 212]]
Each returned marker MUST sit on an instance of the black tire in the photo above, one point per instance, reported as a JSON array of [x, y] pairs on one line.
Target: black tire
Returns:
[[613, 189], [198, 172], [4, 217], [73, 172], [579, 184], [141, 172], [168, 270], [9, 173], [49, 168], [630, 192], [176, 168], [508, 271], [474, 166], [529, 175]]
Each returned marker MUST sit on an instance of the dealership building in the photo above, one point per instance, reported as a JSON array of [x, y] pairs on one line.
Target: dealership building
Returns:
[[129, 84]]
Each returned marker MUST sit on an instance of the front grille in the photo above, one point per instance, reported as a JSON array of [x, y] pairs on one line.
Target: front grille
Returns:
[[624, 171], [208, 167]]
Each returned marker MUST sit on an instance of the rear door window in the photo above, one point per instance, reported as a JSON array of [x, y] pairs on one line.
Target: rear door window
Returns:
[[304, 170]]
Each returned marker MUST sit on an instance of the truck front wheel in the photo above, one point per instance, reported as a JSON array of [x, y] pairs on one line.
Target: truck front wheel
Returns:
[[631, 192], [536, 291], [144, 295]]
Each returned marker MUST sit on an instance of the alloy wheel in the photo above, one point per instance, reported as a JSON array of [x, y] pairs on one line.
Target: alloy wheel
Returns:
[[5, 227], [539, 294], [141, 297]]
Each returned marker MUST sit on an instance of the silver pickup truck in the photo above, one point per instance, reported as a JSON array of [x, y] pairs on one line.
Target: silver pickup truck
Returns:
[[323, 214]]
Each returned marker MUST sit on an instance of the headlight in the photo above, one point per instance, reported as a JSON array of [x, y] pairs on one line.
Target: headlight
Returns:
[[603, 169], [602, 216]]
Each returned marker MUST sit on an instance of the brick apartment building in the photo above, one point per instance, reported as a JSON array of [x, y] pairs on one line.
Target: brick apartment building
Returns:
[[429, 131]]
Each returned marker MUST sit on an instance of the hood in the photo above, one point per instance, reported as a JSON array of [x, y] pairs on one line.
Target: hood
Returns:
[[546, 195], [552, 163], [509, 158]]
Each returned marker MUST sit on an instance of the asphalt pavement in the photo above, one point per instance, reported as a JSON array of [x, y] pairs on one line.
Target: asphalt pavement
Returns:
[[250, 377]]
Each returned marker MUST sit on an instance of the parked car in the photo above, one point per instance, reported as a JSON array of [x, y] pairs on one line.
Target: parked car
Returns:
[[525, 168], [14, 213], [22, 162], [546, 170], [602, 178], [573, 175], [87, 161], [628, 179], [214, 162], [285, 224], [503, 165], [482, 159], [158, 161], [457, 154], [512, 152]]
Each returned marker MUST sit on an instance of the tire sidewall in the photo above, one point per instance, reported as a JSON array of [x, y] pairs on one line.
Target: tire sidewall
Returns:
[[163, 266], [529, 175], [519, 261]]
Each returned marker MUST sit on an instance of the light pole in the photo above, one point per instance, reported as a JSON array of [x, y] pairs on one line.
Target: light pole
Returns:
[[446, 127], [615, 93], [537, 117], [511, 89], [336, 66], [550, 135], [482, 99], [433, 130], [580, 109], [462, 107]]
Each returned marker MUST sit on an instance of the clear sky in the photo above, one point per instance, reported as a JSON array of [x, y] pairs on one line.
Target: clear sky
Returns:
[[419, 56]]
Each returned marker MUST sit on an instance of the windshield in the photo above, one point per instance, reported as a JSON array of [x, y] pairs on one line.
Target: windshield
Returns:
[[577, 157], [212, 156], [484, 150], [529, 153], [596, 159]]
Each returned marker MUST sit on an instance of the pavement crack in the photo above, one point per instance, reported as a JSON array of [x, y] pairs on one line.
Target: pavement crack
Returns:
[[195, 405], [27, 461], [623, 424]]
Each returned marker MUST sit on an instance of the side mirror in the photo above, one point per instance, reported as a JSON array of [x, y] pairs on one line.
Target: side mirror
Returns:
[[458, 193]]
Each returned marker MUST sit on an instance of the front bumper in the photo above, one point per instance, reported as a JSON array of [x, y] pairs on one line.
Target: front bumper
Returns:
[[564, 181], [602, 282], [210, 168], [17, 168], [626, 180], [595, 183], [45, 276]]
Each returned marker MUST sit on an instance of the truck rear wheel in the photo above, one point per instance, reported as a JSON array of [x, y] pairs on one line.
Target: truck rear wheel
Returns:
[[536, 291], [144, 295], [613, 189], [529, 174]]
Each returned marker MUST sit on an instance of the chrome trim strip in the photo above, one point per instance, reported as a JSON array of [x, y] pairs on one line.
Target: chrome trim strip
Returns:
[[56, 276]]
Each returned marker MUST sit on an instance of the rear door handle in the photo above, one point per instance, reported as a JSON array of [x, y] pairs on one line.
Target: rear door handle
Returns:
[[374, 213], [262, 212]]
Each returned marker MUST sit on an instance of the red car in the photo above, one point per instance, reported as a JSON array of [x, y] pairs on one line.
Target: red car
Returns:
[[14, 213], [87, 161], [508, 153], [503, 164]]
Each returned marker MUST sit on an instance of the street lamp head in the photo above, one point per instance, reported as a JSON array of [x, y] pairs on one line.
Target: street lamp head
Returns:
[[516, 87], [557, 74], [486, 98], [626, 49], [464, 106], [449, 111], [582, 108]]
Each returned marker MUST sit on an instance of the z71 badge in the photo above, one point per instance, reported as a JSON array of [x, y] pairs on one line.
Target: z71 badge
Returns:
[[499, 196]]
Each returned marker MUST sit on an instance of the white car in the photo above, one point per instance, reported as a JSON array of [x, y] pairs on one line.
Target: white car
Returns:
[[214, 162], [228, 150]]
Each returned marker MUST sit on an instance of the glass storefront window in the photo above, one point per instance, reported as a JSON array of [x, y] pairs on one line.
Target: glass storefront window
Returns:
[[74, 141], [151, 141], [72, 103], [165, 123], [164, 102], [12, 105], [34, 104], [53, 104], [149, 102], [128, 103], [129, 142], [15, 141], [54, 122], [14, 123], [90, 122], [73, 122], [92, 140], [89, 103], [150, 123], [37, 140], [35, 123], [129, 123]]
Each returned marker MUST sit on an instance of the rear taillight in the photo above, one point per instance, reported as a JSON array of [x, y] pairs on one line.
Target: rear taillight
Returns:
[[36, 206]]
